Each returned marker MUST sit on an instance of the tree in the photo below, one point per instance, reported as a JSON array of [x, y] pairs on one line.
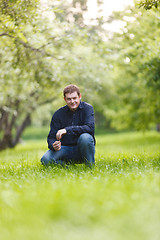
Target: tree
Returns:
[[136, 70], [39, 55], [24, 75]]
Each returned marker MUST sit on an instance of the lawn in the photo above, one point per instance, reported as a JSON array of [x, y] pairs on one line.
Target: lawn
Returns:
[[118, 199]]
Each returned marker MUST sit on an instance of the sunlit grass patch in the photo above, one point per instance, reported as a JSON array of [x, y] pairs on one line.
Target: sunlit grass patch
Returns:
[[117, 199]]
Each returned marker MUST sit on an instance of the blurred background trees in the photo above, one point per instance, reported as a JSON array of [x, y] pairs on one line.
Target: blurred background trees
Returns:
[[45, 47], [136, 69]]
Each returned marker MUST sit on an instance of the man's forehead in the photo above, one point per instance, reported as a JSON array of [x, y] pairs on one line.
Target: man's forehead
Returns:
[[71, 95]]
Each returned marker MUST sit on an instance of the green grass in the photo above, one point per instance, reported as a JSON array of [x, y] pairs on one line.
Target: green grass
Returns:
[[118, 199]]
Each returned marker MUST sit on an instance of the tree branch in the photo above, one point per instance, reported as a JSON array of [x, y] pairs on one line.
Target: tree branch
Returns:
[[47, 101], [26, 45], [6, 34]]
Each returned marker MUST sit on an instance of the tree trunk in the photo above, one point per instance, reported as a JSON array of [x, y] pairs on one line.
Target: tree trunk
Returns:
[[8, 119], [5, 127], [7, 140], [20, 129]]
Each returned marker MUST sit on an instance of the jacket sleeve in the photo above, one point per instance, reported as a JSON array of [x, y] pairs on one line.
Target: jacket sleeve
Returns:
[[88, 123], [54, 127]]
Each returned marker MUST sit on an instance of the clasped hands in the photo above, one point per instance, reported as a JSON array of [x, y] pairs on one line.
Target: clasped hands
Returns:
[[57, 144]]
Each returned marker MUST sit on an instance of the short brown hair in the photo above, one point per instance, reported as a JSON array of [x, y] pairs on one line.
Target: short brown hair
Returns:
[[70, 89]]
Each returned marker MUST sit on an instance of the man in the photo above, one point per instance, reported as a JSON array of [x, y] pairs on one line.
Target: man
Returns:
[[71, 137]]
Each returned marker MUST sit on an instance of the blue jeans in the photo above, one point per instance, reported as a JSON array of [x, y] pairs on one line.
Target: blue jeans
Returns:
[[83, 152]]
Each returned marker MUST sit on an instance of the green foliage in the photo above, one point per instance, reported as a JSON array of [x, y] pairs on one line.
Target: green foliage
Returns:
[[135, 58], [119, 198], [148, 4]]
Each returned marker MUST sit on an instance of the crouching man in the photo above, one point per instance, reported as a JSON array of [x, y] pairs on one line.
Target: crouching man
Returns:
[[71, 137]]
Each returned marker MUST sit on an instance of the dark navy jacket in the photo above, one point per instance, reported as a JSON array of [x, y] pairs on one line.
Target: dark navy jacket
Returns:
[[75, 123]]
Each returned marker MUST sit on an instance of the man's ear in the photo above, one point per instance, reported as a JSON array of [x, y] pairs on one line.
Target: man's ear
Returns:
[[80, 96]]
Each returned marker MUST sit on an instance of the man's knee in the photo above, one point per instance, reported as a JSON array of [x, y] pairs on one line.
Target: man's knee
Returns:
[[46, 158], [86, 148], [85, 138]]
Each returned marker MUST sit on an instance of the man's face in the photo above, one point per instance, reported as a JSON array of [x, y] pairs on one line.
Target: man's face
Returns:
[[72, 100]]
